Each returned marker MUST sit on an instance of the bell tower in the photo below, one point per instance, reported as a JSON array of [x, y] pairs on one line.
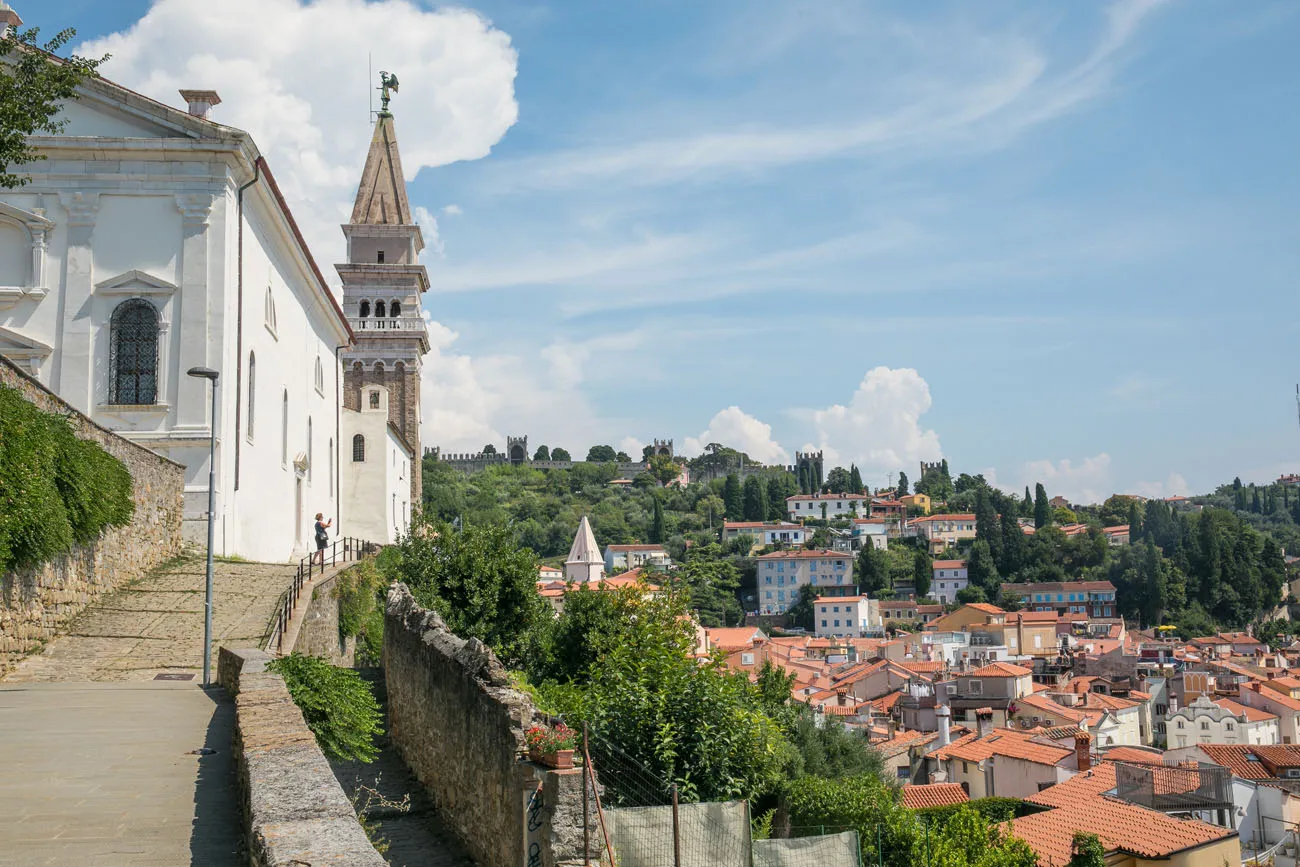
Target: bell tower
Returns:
[[382, 284]]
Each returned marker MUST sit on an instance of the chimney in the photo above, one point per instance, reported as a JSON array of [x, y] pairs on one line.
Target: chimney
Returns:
[[984, 721], [8, 17], [944, 716], [1083, 751], [200, 101], [840, 698]]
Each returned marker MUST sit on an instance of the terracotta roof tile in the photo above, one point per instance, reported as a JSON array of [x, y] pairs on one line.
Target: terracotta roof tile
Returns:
[[933, 795], [1133, 755], [1077, 789], [1238, 759], [902, 741], [999, 669], [1122, 827], [1004, 742], [1252, 714]]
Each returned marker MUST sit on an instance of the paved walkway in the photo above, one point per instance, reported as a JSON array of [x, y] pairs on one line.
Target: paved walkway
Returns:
[[96, 765], [102, 774], [155, 625]]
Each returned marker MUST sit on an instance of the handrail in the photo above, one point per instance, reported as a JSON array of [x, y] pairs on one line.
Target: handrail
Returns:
[[347, 548]]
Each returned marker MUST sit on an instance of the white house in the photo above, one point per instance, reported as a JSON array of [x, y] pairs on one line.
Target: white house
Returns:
[[153, 240], [837, 506], [781, 574], [942, 531], [620, 557], [376, 470], [765, 534], [949, 577], [1220, 721], [844, 616]]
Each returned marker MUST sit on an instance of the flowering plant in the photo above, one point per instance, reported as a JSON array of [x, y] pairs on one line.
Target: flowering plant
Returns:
[[547, 741]]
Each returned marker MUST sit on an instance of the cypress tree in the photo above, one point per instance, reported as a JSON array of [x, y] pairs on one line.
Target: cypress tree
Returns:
[[731, 496], [657, 523], [1254, 500], [1013, 547], [755, 499], [922, 572], [902, 485], [1042, 509], [855, 479], [1027, 505], [987, 526]]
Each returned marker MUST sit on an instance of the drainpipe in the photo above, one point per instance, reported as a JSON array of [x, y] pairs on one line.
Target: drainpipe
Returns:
[[338, 442], [239, 315]]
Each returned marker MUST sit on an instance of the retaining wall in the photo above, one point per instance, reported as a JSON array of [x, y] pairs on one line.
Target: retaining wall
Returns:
[[459, 725], [319, 634], [294, 810], [35, 602]]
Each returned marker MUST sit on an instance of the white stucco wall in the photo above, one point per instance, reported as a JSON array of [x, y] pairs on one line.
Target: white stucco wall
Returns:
[[376, 489]]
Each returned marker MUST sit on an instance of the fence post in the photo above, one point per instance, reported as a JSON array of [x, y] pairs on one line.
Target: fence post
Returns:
[[677, 836], [586, 828]]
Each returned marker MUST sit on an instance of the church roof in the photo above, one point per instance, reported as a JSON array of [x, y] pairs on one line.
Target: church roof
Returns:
[[585, 549], [381, 197]]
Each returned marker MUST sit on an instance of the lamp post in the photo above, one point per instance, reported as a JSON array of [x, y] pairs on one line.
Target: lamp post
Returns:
[[212, 376]]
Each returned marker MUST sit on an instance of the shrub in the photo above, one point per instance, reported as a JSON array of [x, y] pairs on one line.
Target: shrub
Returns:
[[359, 592], [337, 704]]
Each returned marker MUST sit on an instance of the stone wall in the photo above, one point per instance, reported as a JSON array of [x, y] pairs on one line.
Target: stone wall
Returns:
[[459, 725], [35, 602], [295, 812], [319, 634]]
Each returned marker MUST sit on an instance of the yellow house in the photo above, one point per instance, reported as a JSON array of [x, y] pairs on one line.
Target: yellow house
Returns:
[[920, 501], [961, 620]]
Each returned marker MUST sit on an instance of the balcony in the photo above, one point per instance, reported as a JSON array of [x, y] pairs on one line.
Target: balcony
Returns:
[[401, 323]]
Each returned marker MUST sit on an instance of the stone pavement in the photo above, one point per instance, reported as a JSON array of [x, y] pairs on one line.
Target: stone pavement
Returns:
[[155, 625], [102, 774]]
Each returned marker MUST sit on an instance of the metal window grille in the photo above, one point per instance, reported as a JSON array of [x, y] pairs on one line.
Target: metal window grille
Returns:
[[358, 448], [133, 346]]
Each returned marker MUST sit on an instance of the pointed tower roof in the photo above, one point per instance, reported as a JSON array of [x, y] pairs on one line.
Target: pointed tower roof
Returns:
[[381, 198], [585, 549]]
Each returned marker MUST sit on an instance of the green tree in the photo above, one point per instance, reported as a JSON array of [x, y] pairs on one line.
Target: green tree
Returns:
[[922, 571], [855, 479], [34, 82], [1013, 544], [489, 449], [479, 580], [657, 534], [664, 469], [337, 705], [711, 582], [623, 458], [732, 496], [874, 573], [1027, 505], [982, 570], [542, 454], [988, 527], [755, 499], [1063, 516], [560, 455], [1042, 508], [1088, 850], [838, 480], [901, 489], [601, 455], [801, 612], [779, 487], [824, 508]]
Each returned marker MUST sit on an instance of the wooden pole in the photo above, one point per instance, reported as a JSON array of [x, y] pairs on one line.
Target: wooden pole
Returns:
[[677, 836], [590, 773]]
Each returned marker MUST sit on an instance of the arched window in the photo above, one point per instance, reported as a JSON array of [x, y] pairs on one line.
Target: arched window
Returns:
[[133, 345], [365, 309], [309, 450], [252, 391], [394, 309], [270, 310], [358, 449], [284, 430], [320, 376], [379, 308], [329, 470]]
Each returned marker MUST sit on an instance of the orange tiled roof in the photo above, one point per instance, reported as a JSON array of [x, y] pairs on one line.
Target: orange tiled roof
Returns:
[[1122, 827], [933, 795], [902, 741], [1252, 714], [1133, 755], [1076, 789], [986, 608], [1004, 742], [948, 564], [734, 637], [1000, 669], [1238, 759], [1280, 755], [922, 666]]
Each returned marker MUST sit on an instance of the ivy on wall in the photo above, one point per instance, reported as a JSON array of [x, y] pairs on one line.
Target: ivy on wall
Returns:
[[56, 490]]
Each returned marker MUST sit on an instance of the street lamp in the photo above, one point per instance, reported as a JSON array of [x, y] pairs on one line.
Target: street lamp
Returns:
[[212, 376]]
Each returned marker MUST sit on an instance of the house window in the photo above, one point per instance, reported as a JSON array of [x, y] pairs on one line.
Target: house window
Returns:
[[823, 623], [746, 659], [380, 257], [975, 687], [358, 449], [1205, 726], [252, 391], [270, 312], [133, 345], [320, 376], [284, 429], [1180, 724]]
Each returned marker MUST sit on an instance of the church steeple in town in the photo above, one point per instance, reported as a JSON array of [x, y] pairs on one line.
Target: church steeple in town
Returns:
[[382, 284]]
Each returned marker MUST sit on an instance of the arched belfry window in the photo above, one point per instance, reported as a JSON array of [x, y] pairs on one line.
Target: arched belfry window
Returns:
[[358, 449], [365, 309], [394, 309], [252, 391], [133, 345], [379, 308]]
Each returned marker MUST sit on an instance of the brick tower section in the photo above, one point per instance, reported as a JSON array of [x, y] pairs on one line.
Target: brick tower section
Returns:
[[383, 282]]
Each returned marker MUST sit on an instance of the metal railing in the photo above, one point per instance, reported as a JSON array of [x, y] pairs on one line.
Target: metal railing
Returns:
[[398, 324], [346, 549]]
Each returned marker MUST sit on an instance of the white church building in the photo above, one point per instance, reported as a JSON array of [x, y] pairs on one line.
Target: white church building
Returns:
[[153, 240]]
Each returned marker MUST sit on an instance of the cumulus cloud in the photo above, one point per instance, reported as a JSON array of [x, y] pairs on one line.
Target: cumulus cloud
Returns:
[[433, 247], [1175, 485], [1084, 483], [738, 429], [297, 81], [880, 427]]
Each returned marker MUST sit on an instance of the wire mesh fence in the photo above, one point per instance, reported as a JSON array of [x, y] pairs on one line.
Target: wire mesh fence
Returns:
[[636, 818]]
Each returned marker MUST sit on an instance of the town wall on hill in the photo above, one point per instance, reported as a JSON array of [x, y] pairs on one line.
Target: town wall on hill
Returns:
[[35, 602]]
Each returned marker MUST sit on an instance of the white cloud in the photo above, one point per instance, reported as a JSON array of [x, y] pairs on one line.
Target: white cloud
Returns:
[[452, 210], [1175, 485], [293, 74], [632, 447], [735, 428], [433, 247], [1084, 483], [880, 428]]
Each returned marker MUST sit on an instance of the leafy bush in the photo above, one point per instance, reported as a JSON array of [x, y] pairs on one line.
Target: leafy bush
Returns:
[[55, 490], [337, 704], [359, 591], [993, 809]]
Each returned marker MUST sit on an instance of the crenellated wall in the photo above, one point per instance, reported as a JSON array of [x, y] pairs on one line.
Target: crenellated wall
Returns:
[[35, 602]]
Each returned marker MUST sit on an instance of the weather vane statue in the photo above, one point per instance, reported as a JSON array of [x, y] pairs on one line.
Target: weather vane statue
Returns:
[[387, 82]]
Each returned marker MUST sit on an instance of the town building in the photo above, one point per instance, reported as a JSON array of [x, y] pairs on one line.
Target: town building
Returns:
[[152, 240], [621, 557], [828, 506], [1220, 721], [920, 502], [845, 616], [949, 578], [995, 687], [376, 470], [765, 534], [1094, 598], [781, 574], [942, 531]]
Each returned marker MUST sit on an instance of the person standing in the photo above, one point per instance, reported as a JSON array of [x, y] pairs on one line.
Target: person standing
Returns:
[[322, 537]]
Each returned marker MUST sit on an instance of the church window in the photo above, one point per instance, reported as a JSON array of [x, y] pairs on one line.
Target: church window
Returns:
[[133, 345], [380, 260], [284, 430], [394, 309], [374, 400], [358, 449], [320, 376], [379, 308], [365, 309], [309, 450], [252, 391], [270, 310]]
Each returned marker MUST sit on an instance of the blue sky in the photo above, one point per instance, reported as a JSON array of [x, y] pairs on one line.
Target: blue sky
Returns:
[[1052, 242]]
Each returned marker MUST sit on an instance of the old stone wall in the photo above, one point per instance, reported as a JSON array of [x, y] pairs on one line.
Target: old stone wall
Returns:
[[35, 602], [459, 725], [319, 634], [295, 812]]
